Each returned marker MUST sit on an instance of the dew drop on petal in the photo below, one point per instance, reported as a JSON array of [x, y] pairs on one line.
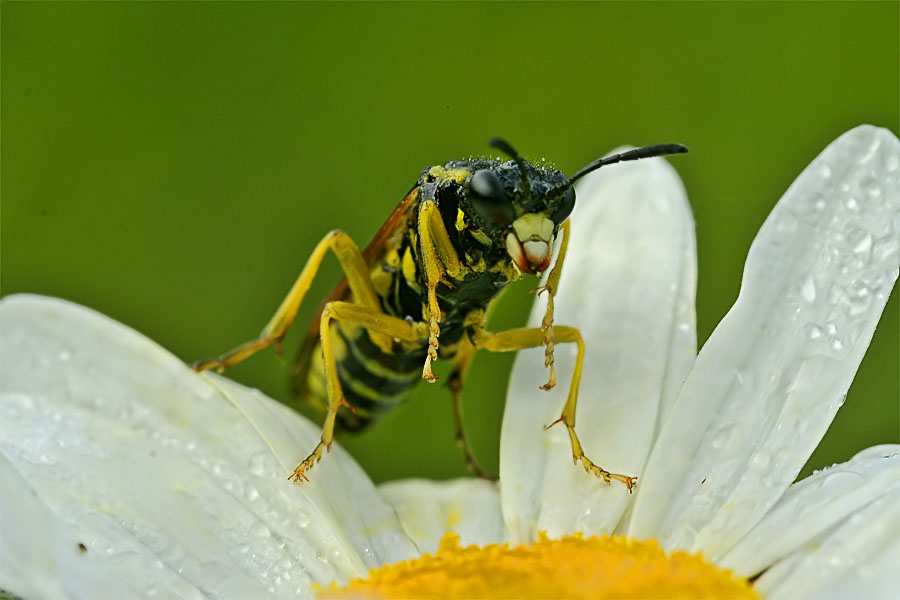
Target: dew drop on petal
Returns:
[[808, 290], [787, 223], [861, 241], [260, 530], [251, 493], [761, 460], [870, 185]]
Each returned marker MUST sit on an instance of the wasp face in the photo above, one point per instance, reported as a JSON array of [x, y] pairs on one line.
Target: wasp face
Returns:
[[521, 209]]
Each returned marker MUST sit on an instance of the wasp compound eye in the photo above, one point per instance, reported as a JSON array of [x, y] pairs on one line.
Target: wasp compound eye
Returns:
[[489, 199], [564, 208]]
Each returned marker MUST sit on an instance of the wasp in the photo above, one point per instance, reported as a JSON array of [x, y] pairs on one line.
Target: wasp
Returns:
[[422, 288]]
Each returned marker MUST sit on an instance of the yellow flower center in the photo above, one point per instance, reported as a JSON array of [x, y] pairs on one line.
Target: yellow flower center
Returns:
[[572, 567]]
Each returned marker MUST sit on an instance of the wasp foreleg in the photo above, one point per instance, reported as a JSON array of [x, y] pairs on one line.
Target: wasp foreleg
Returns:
[[376, 323], [439, 257], [517, 339], [550, 286]]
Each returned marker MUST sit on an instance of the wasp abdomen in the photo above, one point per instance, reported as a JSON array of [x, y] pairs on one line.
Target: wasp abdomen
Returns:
[[373, 381]]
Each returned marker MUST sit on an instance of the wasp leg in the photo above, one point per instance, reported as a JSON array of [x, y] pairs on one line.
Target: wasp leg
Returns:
[[455, 385], [550, 287], [517, 339], [374, 322], [439, 258], [358, 279]]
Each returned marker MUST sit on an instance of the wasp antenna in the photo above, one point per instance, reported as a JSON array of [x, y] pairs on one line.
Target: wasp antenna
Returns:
[[504, 147], [507, 149], [635, 154]]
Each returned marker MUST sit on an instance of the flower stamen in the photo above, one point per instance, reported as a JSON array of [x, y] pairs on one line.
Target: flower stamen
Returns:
[[572, 567]]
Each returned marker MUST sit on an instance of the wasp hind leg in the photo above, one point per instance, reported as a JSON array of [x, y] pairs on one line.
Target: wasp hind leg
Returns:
[[376, 323], [517, 339], [358, 278], [455, 385]]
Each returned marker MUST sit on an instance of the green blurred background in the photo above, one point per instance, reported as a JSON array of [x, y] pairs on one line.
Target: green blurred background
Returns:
[[172, 165]]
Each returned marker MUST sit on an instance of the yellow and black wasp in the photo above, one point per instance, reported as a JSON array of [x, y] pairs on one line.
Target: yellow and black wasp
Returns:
[[422, 287]]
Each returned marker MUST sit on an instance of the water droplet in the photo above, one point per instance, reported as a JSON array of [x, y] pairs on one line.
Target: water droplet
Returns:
[[64, 355], [787, 223], [837, 344], [284, 564], [892, 162], [825, 171], [870, 185], [852, 204], [251, 493], [861, 241], [830, 328], [859, 305], [260, 530], [820, 204], [721, 440], [808, 290], [259, 464], [813, 331], [760, 460]]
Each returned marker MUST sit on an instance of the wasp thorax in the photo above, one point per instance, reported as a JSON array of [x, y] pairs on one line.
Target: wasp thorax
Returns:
[[530, 242]]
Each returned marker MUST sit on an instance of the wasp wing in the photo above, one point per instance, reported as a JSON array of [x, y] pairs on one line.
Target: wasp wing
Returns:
[[386, 238]]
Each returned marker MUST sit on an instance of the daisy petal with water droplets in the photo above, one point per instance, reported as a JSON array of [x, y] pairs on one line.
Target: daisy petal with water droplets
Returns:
[[167, 475], [856, 559], [628, 284], [37, 541], [429, 509], [811, 507], [770, 379]]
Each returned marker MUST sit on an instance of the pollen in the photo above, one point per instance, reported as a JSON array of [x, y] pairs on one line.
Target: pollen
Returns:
[[573, 567]]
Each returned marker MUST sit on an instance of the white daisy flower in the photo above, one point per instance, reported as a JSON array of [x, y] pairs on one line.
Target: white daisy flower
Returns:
[[124, 474]]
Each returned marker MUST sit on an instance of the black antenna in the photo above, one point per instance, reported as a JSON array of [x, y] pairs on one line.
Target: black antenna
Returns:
[[636, 154], [507, 149]]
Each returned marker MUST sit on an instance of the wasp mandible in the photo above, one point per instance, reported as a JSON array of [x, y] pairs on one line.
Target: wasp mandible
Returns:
[[422, 288]]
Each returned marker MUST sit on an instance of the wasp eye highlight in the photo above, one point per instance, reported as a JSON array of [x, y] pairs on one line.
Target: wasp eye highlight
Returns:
[[564, 208], [489, 199]]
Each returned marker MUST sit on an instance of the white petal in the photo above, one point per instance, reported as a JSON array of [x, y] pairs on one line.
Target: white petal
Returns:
[[338, 486], [858, 559], [157, 471], [770, 379], [428, 509], [33, 539], [628, 284], [811, 507]]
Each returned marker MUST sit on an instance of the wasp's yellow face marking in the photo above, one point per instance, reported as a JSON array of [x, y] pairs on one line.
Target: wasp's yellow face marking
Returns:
[[530, 242]]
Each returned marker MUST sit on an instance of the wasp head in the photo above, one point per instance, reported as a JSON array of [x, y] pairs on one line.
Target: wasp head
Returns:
[[519, 206], [522, 206]]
